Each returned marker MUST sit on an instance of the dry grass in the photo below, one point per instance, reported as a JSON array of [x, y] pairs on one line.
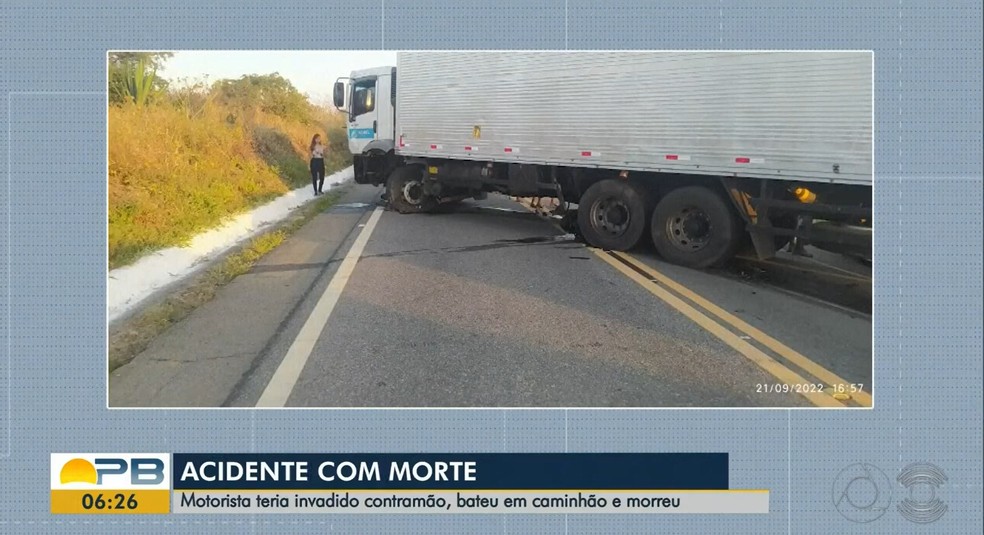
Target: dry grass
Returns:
[[173, 174]]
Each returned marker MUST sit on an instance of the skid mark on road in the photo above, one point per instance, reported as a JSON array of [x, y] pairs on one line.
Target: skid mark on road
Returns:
[[474, 306], [498, 244]]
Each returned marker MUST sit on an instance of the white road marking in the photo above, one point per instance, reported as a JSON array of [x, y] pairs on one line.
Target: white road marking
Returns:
[[283, 380]]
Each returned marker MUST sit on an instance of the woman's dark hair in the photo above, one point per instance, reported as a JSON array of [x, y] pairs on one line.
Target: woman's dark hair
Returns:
[[313, 140]]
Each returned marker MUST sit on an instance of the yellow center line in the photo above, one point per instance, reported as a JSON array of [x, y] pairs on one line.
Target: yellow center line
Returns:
[[809, 366], [755, 355], [751, 352]]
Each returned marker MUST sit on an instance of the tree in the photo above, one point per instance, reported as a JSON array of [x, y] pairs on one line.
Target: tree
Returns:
[[133, 76], [271, 93], [156, 59]]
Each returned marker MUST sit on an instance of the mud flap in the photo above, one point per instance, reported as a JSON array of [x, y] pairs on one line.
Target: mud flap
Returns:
[[359, 169], [764, 242], [523, 180], [757, 222]]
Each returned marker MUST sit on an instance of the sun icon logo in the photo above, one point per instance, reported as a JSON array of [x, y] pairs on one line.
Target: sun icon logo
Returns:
[[79, 471]]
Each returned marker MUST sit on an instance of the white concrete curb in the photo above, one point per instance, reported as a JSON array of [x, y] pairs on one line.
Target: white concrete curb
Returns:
[[128, 286]]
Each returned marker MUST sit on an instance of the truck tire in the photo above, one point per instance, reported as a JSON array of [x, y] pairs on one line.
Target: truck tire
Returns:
[[406, 193], [695, 227], [612, 215]]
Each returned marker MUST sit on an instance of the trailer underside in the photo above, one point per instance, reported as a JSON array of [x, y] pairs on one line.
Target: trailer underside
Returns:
[[694, 219]]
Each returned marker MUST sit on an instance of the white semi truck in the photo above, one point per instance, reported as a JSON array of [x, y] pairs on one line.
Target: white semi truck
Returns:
[[701, 152]]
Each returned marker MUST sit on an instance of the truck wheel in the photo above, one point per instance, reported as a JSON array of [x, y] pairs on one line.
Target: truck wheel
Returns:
[[694, 226], [406, 191], [612, 215]]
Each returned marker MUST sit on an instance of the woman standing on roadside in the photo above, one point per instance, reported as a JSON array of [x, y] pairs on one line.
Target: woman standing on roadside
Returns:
[[317, 164]]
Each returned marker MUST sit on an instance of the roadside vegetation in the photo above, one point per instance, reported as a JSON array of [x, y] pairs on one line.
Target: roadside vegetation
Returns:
[[130, 338], [185, 157]]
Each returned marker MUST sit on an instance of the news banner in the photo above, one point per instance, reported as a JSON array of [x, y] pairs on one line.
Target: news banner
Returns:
[[204, 483]]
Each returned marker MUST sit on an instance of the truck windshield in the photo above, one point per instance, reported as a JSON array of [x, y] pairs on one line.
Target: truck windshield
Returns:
[[364, 96]]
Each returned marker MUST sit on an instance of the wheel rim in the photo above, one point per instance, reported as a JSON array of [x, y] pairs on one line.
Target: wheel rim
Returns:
[[689, 229], [610, 216], [413, 192]]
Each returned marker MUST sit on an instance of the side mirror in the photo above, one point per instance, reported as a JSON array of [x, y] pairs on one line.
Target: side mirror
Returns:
[[338, 95]]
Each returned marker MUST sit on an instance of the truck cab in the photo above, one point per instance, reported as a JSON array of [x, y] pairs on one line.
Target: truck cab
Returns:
[[368, 97]]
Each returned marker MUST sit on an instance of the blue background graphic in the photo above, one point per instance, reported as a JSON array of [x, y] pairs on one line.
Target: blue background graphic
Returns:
[[927, 271]]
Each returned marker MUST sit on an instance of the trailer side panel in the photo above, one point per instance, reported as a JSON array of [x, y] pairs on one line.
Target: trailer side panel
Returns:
[[785, 115]]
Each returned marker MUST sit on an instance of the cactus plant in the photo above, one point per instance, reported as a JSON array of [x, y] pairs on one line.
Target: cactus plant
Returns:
[[140, 86]]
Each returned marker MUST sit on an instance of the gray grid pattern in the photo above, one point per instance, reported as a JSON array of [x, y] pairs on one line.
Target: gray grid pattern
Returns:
[[928, 289]]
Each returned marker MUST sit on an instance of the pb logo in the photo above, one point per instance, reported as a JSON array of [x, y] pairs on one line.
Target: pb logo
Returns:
[[109, 470], [143, 471], [110, 483]]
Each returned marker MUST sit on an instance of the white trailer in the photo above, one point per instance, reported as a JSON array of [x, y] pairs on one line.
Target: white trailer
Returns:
[[695, 149]]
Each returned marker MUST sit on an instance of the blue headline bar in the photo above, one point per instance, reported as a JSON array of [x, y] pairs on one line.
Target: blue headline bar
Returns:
[[519, 471]]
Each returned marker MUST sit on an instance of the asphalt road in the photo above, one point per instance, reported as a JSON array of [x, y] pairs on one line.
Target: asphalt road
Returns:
[[489, 305]]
